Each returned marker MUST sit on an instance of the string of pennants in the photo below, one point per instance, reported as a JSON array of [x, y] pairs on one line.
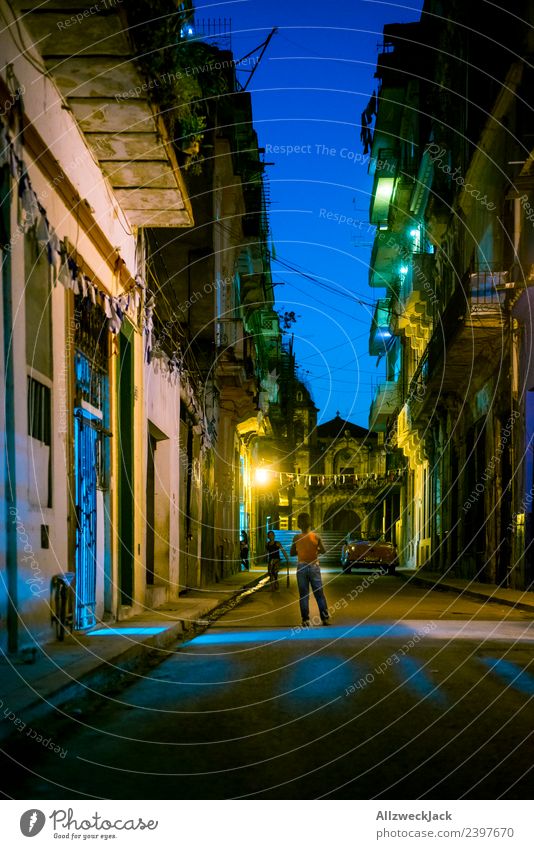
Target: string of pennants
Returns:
[[290, 479], [64, 269]]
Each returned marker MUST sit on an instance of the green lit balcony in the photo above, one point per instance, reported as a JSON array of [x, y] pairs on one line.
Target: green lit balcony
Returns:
[[383, 187], [389, 251]]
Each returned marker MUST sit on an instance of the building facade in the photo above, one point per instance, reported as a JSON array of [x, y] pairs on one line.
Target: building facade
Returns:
[[450, 157], [136, 319]]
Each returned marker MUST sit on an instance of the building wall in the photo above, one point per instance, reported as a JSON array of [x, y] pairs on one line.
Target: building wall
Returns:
[[162, 425]]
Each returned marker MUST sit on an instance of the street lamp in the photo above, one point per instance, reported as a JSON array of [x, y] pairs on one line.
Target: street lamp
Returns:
[[262, 476]]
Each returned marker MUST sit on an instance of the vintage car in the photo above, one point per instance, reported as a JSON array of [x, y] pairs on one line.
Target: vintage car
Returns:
[[369, 554]]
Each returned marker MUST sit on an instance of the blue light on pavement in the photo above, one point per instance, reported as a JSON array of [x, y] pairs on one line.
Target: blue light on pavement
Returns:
[[126, 632], [512, 674], [415, 678], [276, 635]]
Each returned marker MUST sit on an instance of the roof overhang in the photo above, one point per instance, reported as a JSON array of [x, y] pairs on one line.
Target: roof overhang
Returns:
[[88, 53]]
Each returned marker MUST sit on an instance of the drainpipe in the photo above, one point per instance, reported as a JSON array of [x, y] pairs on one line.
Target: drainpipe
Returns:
[[514, 352], [513, 328], [10, 482]]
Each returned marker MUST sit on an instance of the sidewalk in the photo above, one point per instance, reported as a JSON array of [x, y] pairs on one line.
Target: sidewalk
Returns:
[[520, 599], [96, 662]]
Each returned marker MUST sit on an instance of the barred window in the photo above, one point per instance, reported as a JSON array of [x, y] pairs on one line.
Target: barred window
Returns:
[[39, 420]]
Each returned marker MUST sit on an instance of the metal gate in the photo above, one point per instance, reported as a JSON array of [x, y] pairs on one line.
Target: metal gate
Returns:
[[90, 466], [85, 460]]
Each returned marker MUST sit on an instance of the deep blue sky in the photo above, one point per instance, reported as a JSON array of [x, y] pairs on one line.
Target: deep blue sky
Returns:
[[310, 90]]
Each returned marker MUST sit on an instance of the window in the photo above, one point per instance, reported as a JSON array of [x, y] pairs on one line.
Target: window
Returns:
[[38, 307], [39, 425], [39, 444]]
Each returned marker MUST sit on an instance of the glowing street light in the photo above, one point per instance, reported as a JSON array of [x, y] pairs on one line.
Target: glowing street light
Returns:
[[262, 476]]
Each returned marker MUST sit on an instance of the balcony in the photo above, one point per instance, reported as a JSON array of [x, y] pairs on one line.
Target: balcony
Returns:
[[93, 64], [381, 335], [384, 185], [472, 327], [419, 301], [487, 291], [385, 404], [389, 250], [422, 275]]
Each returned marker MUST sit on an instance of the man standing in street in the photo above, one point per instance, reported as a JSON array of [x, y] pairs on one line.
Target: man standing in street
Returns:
[[307, 546]]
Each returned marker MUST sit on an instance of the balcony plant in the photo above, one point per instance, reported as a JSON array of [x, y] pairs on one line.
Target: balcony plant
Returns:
[[183, 83]]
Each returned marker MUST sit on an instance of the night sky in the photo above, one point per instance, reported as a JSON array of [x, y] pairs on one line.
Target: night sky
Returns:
[[310, 90]]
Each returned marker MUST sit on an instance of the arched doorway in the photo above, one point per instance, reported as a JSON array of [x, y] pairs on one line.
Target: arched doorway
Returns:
[[341, 519]]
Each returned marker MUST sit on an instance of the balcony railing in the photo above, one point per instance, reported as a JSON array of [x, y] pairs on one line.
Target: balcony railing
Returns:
[[422, 277], [385, 403], [418, 386], [487, 290], [473, 318], [380, 335]]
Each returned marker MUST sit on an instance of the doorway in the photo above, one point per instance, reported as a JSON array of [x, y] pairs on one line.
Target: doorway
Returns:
[[126, 482]]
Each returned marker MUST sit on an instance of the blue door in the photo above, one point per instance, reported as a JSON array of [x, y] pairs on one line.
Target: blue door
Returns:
[[85, 460], [90, 464]]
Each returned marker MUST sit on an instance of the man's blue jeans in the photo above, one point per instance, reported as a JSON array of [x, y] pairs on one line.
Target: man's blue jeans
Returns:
[[309, 575]]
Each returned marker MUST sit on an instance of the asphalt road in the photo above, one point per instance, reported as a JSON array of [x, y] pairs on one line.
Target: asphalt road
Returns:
[[408, 694]]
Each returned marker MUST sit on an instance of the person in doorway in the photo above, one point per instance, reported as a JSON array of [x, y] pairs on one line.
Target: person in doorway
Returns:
[[273, 549], [243, 548], [308, 546]]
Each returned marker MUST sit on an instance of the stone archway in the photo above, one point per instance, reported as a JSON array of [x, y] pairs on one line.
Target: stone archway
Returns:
[[341, 519]]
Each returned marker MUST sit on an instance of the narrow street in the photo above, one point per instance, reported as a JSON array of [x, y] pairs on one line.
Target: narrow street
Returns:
[[408, 694]]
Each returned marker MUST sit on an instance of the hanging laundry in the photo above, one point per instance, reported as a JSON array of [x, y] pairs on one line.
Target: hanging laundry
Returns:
[[115, 322], [54, 254], [5, 153], [65, 276], [42, 230], [28, 206]]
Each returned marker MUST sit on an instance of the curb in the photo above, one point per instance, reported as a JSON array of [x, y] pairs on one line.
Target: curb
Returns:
[[465, 591], [113, 673]]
